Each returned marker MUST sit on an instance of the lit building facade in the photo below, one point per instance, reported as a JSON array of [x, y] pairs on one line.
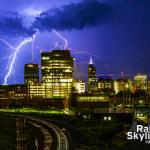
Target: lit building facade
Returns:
[[101, 85], [36, 91], [14, 91], [91, 69], [140, 81], [31, 74], [92, 80], [93, 85], [123, 84], [105, 85], [93, 101], [79, 86], [57, 73]]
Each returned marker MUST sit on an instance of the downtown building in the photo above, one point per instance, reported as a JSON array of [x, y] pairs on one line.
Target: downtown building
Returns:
[[79, 86], [123, 85], [31, 74], [141, 81], [57, 74], [98, 85], [31, 79], [92, 80]]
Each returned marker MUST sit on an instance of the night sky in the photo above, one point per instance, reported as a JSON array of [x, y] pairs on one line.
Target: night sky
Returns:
[[116, 33]]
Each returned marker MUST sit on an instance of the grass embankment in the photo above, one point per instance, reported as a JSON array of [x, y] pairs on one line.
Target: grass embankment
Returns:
[[7, 133], [32, 111]]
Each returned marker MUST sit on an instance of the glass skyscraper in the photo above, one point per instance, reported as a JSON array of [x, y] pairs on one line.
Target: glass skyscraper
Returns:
[[57, 73]]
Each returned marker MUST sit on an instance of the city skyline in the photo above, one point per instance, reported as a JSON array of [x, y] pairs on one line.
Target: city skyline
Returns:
[[74, 74], [116, 35]]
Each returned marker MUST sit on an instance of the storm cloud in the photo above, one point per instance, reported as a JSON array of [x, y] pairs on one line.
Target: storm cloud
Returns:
[[75, 16], [11, 24]]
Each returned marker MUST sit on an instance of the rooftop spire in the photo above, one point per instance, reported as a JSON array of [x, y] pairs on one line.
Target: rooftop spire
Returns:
[[91, 61]]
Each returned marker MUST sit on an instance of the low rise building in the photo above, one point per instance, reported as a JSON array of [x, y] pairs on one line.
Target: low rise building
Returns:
[[140, 81], [79, 86]]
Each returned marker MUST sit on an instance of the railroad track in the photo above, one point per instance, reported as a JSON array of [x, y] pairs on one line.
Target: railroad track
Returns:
[[47, 141], [45, 127], [62, 141]]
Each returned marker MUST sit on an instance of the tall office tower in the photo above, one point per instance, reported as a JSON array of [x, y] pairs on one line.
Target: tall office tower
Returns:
[[57, 73], [140, 81], [91, 69], [92, 80], [31, 74]]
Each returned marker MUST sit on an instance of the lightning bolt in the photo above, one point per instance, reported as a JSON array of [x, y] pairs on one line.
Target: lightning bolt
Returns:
[[12, 57], [7, 44], [56, 45], [8, 57], [88, 53], [79, 52], [65, 41], [76, 52], [34, 37], [102, 58], [32, 52], [4, 58]]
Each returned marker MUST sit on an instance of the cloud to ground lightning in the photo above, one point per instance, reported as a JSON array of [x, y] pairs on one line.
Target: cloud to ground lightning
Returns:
[[10, 70], [12, 57]]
